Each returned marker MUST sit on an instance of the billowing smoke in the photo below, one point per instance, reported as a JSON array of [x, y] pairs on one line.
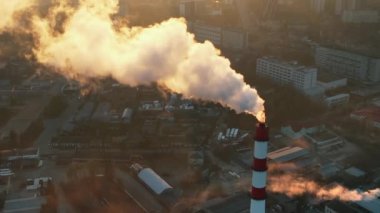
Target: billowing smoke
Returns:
[[92, 45], [9, 11], [292, 186]]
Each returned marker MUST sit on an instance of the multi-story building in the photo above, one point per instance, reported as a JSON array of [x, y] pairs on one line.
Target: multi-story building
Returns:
[[205, 32], [318, 5], [361, 16], [291, 73], [342, 5], [337, 100], [228, 38], [347, 64]]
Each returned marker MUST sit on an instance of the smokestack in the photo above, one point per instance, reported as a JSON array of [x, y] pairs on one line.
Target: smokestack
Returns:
[[259, 169]]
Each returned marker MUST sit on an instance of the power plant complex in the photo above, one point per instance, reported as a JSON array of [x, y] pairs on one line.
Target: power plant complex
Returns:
[[259, 169]]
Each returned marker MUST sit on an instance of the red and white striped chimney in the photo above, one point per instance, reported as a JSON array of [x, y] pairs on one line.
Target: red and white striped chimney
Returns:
[[259, 169]]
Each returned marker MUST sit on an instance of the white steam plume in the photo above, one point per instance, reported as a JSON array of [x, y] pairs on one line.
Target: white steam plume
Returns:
[[9, 10], [292, 185], [92, 45]]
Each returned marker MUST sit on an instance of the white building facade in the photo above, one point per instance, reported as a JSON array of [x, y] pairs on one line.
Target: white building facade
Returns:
[[347, 64], [233, 39], [301, 77]]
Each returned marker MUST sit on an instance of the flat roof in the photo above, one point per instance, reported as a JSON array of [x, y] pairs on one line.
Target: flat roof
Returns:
[[287, 154], [371, 205], [355, 172], [322, 135], [291, 64]]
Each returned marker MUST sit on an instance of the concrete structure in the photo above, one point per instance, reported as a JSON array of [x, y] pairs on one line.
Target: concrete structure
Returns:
[[234, 39], [301, 77], [259, 169], [342, 5], [228, 38], [361, 16], [324, 140], [347, 64], [20, 158], [318, 5], [187, 9], [332, 84], [287, 154], [338, 207], [204, 32], [126, 116], [355, 172], [369, 115], [371, 205], [337, 100]]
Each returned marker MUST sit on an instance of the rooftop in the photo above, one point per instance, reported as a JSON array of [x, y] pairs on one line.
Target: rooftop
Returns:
[[370, 205], [287, 154], [339, 206], [355, 172], [371, 113], [289, 64]]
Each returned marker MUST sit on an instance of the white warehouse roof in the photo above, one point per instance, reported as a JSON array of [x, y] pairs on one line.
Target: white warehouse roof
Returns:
[[153, 180], [287, 154]]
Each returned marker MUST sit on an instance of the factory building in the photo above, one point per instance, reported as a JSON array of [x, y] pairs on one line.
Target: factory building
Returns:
[[164, 193], [347, 64], [20, 158], [324, 140], [153, 181], [290, 73], [287, 154]]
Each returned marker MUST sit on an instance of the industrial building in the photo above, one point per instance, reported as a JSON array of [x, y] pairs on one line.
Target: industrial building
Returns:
[[163, 192], [321, 138], [153, 181], [289, 73], [324, 140], [20, 158], [287, 154], [348, 64]]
